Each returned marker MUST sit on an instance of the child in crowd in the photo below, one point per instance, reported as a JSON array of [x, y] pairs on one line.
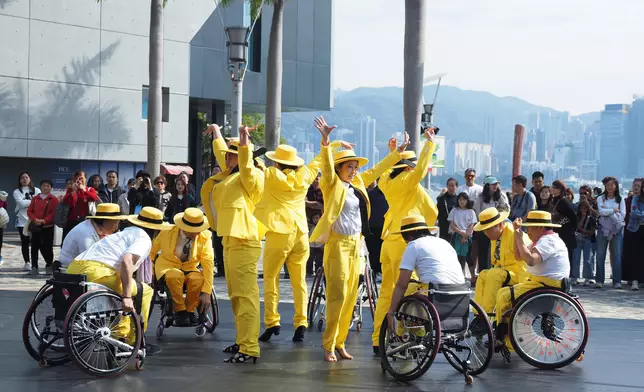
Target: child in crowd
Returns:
[[462, 220]]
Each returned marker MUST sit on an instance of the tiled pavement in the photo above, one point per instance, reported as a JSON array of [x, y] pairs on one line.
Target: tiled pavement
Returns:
[[601, 303]]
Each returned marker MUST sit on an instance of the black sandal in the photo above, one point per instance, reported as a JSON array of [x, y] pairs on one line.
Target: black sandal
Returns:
[[241, 358], [233, 349]]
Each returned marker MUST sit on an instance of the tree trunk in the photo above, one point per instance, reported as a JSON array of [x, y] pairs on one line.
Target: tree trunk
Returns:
[[155, 97], [414, 68], [274, 78]]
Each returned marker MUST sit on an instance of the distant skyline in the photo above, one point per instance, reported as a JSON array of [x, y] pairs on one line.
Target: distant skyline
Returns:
[[574, 56]]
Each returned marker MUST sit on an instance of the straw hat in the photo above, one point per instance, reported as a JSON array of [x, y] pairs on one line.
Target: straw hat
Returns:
[[233, 145], [539, 219], [414, 222], [348, 155], [407, 158], [150, 218], [489, 218], [109, 211], [191, 221], [285, 155]]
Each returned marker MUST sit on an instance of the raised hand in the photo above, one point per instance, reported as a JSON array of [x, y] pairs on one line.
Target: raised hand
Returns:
[[429, 133], [393, 143], [404, 144], [244, 135], [347, 145], [324, 128], [213, 129], [517, 224]]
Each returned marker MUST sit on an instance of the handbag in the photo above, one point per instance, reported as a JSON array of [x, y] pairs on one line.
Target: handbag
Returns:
[[4, 218]]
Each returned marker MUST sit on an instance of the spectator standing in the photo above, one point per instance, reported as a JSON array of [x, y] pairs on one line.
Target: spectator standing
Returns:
[[180, 200], [563, 214], [22, 196], [633, 256], [492, 196], [4, 219], [192, 191], [537, 185], [612, 212], [462, 219], [545, 196], [111, 192], [314, 199], [41, 214], [445, 202], [95, 181], [635, 190], [523, 201], [472, 189], [123, 202], [585, 240], [78, 198], [164, 196], [379, 207], [142, 195]]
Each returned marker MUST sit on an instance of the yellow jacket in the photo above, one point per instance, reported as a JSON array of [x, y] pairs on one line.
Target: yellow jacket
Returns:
[[207, 193], [200, 254], [334, 192], [235, 196], [406, 196], [283, 206], [507, 259]]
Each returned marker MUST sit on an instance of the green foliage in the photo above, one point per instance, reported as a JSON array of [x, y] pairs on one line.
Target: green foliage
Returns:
[[258, 136]]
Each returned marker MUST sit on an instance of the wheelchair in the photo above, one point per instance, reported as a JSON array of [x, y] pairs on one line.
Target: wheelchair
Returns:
[[75, 320], [208, 321], [547, 327], [441, 319], [367, 294]]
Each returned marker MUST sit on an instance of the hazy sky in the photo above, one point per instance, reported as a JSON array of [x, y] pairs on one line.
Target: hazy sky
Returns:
[[573, 55]]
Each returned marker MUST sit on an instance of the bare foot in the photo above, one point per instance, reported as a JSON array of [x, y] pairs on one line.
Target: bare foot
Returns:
[[330, 356], [344, 354]]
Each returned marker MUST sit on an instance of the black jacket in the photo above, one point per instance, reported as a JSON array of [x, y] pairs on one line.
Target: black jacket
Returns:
[[445, 203], [143, 197], [379, 207], [176, 206], [110, 197]]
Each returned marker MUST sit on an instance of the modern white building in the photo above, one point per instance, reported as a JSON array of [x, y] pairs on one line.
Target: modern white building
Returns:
[[473, 155], [613, 151], [74, 76]]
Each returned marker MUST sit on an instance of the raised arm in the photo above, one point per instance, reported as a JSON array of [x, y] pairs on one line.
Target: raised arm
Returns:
[[424, 160], [530, 255], [328, 171], [218, 144], [391, 159], [251, 178]]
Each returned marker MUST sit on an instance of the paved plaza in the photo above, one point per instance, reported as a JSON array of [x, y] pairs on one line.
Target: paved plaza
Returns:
[[613, 360]]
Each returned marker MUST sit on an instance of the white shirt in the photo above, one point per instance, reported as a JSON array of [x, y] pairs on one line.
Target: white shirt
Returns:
[[78, 241], [462, 218], [111, 249], [434, 260], [22, 204], [182, 240], [349, 222], [124, 204], [554, 255], [607, 207], [472, 191]]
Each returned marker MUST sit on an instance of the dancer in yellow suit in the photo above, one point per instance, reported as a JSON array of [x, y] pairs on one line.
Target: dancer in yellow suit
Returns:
[[507, 266], [345, 218], [183, 249], [405, 196], [283, 211], [231, 201]]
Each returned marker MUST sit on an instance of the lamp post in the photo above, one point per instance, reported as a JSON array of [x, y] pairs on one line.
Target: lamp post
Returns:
[[237, 45], [427, 118]]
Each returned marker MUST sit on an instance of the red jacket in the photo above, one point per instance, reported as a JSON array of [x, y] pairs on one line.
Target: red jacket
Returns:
[[43, 209], [79, 203]]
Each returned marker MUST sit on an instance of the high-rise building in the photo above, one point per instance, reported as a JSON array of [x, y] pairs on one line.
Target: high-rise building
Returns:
[[613, 125], [474, 155], [575, 130], [591, 142], [541, 145], [366, 143], [635, 140]]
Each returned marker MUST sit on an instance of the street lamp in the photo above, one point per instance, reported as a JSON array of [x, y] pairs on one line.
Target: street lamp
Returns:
[[237, 45]]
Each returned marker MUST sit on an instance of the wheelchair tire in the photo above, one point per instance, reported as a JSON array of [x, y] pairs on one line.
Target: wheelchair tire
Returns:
[[568, 321], [372, 290], [487, 348], [36, 340], [430, 340], [41, 291], [212, 323], [315, 298], [75, 324]]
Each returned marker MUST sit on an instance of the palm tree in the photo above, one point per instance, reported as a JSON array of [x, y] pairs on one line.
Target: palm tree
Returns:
[[155, 97], [273, 69], [414, 61]]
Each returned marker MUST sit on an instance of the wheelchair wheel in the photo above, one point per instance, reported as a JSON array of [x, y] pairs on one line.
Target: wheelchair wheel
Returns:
[[41, 291], [409, 350], [372, 290], [212, 315], [548, 329], [316, 300], [42, 335], [477, 342], [101, 338]]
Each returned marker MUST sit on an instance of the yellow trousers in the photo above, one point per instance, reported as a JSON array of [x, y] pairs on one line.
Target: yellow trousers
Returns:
[[504, 297], [175, 279], [241, 278], [342, 272], [292, 249], [391, 253], [100, 273], [490, 282]]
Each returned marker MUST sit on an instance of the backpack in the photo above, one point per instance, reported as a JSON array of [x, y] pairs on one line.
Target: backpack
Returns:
[[61, 215]]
